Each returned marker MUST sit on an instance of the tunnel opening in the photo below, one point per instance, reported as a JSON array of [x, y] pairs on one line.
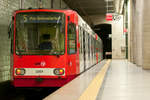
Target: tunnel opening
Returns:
[[104, 31]]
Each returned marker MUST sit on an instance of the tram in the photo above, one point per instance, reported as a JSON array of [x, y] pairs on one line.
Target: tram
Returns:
[[51, 47]]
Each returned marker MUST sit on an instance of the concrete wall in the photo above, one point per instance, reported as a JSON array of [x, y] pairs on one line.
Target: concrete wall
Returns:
[[118, 37], [128, 20], [146, 34], [140, 33], [136, 32], [6, 9]]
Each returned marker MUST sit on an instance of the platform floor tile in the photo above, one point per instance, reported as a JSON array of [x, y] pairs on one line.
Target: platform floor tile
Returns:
[[125, 81]]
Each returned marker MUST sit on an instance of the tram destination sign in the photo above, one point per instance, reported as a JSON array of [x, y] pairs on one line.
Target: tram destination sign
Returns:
[[40, 19]]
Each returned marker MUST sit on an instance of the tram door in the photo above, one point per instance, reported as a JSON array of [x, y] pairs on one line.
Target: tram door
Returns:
[[81, 49], [84, 50]]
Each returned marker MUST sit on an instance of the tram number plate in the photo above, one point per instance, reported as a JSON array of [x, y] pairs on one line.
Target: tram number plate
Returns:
[[39, 71]]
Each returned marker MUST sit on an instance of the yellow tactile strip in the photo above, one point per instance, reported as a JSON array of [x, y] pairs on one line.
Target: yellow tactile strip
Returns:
[[91, 92]]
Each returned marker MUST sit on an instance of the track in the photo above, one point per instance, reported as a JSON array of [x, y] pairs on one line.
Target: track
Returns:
[[8, 92]]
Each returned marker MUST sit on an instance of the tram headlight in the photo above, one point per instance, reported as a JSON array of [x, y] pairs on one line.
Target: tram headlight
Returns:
[[20, 71], [59, 71]]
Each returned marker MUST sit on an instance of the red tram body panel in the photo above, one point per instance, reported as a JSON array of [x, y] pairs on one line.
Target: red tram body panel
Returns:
[[49, 48]]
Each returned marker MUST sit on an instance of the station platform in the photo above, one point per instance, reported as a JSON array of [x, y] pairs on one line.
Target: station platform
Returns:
[[108, 80], [125, 81]]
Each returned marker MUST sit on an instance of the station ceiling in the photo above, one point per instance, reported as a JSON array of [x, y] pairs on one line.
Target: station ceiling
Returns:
[[88, 8], [91, 7]]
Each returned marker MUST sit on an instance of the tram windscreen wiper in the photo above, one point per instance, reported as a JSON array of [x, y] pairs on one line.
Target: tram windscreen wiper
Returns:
[[19, 52]]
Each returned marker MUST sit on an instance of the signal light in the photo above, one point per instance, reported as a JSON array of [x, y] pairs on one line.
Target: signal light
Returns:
[[20, 71], [59, 71]]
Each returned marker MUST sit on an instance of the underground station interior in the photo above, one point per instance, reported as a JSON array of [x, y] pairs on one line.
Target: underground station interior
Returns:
[[74, 50]]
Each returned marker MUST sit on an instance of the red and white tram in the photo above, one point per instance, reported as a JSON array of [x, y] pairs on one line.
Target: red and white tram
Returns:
[[51, 47]]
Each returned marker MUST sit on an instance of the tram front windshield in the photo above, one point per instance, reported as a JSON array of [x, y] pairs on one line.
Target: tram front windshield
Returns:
[[40, 33]]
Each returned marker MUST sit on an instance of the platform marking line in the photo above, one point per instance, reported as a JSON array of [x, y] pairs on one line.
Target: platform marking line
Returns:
[[91, 92]]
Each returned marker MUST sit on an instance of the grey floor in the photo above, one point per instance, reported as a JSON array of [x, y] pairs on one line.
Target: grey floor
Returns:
[[125, 81], [74, 89]]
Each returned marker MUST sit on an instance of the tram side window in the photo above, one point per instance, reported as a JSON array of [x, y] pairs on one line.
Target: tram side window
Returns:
[[71, 38], [89, 46], [80, 39]]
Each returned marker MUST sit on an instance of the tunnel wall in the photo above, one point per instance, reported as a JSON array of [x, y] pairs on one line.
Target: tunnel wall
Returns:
[[6, 9]]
